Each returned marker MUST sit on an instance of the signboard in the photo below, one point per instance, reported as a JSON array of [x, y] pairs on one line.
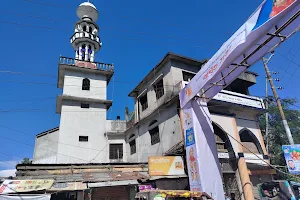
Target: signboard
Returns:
[[86, 64], [236, 98], [201, 150], [26, 197], [262, 172], [165, 165], [292, 157], [145, 188], [244, 48], [263, 31], [68, 186], [230, 97], [17, 186], [223, 155]]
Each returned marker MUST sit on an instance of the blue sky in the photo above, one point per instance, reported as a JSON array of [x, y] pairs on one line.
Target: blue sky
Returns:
[[135, 35]]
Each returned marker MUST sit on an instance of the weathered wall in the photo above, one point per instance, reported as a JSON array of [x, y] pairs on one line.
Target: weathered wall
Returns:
[[73, 85], [45, 148]]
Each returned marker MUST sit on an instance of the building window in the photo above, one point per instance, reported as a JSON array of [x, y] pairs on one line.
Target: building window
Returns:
[[144, 102], [84, 28], [85, 105], [154, 132], [115, 151], [159, 89], [221, 139], [86, 84], [83, 138], [90, 29], [187, 76], [250, 142], [132, 144]]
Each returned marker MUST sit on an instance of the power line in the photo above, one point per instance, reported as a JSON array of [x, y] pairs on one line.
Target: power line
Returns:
[[99, 151], [118, 37], [24, 143], [125, 17], [81, 111], [106, 27], [270, 165]]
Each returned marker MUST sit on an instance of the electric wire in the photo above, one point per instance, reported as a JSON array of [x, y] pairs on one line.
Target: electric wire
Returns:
[[126, 17], [105, 27], [112, 36]]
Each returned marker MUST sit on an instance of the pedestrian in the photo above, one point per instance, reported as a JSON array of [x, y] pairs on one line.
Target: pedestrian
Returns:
[[232, 196]]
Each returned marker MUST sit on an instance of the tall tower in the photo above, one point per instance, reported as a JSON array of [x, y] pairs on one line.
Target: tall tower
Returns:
[[83, 104]]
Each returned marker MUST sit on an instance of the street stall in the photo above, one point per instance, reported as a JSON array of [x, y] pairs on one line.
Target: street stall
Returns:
[[279, 189], [171, 195]]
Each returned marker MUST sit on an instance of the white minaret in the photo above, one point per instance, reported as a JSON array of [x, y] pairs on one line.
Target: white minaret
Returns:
[[83, 104], [85, 40]]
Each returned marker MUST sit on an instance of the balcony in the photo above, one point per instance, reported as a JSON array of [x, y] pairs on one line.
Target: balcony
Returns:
[[78, 36], [65, 63], [86, 64], [232, 98], [115, 127]]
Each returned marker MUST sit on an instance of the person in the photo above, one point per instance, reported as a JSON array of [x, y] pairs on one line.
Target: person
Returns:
[[291, 165], [266, 192], [227, 197], [232, 196], [279, 6]]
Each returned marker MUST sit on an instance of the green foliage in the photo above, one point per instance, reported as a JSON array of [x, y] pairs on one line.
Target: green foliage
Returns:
[[26, 161], [277, 136]]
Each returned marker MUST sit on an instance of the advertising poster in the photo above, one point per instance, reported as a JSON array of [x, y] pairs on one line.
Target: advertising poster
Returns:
[[221, 68], [166, 165], [26, 197], [17, 186], [68, 186], [292, 157], [201, 151]]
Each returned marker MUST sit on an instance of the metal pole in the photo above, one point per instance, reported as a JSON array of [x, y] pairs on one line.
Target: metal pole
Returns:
[[267, 115], [285, 124]]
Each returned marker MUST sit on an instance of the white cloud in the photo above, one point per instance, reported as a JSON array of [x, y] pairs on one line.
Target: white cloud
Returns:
[[7, 173], [8, 164]]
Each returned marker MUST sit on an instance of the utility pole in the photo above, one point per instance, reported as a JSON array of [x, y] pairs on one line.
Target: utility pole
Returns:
[[267, 114], [285, 124]]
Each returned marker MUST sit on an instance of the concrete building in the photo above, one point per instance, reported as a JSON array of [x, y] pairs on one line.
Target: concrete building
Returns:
[[155, 127], [84, 133]]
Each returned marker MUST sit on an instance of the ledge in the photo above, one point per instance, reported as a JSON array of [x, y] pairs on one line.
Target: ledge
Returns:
[[60, 98]]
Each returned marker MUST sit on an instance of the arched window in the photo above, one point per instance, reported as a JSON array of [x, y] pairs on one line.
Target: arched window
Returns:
[[84, 28], [90, 29], [250, 142], [223, 143], [86, 84], [132, 144], [154, 132]]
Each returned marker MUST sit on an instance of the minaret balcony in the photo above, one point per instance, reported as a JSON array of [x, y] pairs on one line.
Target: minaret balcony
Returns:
[[83, 37], [65, 63]]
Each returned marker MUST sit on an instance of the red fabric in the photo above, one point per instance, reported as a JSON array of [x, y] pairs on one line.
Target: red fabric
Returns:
[[192, 158]]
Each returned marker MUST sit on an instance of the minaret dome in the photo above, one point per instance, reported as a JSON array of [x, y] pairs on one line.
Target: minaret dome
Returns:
[[87, 10]]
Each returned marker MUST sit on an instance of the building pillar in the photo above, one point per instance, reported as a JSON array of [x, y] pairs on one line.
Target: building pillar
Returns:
[[80, 53], [245, 179], [86, 58], [242, 166], [77, 53], [93, 53]]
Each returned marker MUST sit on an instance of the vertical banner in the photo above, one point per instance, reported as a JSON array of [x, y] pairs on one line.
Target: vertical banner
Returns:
[[201, 151], [292, 157]]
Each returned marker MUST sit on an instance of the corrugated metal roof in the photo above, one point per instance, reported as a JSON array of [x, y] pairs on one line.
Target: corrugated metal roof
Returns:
[[92, 177]]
